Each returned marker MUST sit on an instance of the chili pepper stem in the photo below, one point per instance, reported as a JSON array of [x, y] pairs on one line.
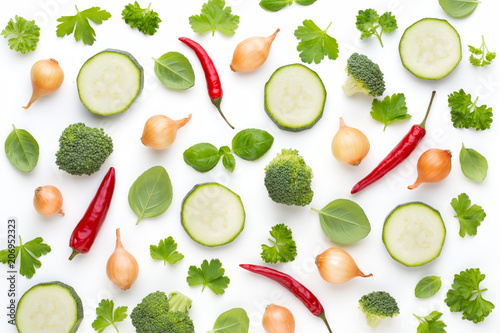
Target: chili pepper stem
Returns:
[[216, 102], [323, 317], [422, 124], [73, 254]]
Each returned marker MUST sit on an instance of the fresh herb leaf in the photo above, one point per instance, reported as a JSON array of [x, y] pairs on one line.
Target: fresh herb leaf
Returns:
[[430, 323], [481, 56], [275, 5], [344, 221], [166, 251], [22, 35], [428, 286], [232, 321], [145, 20], [229, 162], [371, 24], [314, 43], [22, 150], [209, 275], [466, 114], [215, 16], [283, 247], [106, 316], [469, 217], [474, 165], [459, 8], [174, 71], [466, 296], [29, 253], [202, 157], [390, 110], [151, 193], [80, 24], [251, 144]]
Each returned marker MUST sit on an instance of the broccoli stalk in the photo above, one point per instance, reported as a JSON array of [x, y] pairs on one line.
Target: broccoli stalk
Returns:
[[363, 75], [378, 305]]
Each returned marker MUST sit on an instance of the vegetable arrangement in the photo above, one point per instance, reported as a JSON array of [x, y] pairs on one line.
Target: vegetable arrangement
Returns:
[[212, 213]]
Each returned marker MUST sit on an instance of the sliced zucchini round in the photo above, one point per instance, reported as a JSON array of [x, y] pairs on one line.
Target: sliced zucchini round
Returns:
[[295, 97], [109, 82], [212, 214], [414, 234], [51, 307], [430, 48]]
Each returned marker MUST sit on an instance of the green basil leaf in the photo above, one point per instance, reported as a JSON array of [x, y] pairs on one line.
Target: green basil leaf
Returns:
[[202, 156], [459, 8], [232, 321], [21, 149], [305, 2], [151, 193], [251, 144], [274, 5], [428, 286], [344, 221], [229, 162], [174, 71], [224, 150], [474, 165]]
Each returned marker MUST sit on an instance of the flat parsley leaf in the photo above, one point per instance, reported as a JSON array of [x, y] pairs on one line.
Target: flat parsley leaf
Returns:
[[106, 316], [23, 35], [470, 217], [166, 251], [145, 20], [209, 275], [390, 110], [466, 114], [315, 43], [430, 323], [29, 253], [481, 56], [465, 296], [283, 248], [80, 24], [370, 23], [215, 16], [275, 5]]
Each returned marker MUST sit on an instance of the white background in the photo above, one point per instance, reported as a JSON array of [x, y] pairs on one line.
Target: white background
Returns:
[[243, 106]]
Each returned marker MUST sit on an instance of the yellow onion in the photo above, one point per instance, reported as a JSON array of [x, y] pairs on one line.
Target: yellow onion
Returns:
[[433, 166], [46, 77], [251, 53], [122, 268], [349, 145], [48, 200], [278, 319], [160, 131], [337, 266]]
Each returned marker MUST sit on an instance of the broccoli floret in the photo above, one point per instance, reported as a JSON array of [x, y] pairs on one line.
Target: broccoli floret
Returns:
[[153, 314], [83, 149], [363, 75], [378, 305], [288, 179]]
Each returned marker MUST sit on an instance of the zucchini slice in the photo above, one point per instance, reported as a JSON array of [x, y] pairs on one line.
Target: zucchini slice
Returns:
[[109, 82], [212, 214], [51, 307], [414, 234], [295, 97], [430, 48]]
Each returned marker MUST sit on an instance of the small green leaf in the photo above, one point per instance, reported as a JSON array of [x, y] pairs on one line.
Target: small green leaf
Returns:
[[202, 157], [251, 144], [209, 275], [275, 5], [166, 251], [232, 321], [22, 150], [174, 71], [215, 16], [428, 286], [459, 8], [229, 162], [474, 165]]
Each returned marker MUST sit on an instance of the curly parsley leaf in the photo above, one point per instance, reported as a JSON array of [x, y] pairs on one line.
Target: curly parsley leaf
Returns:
[[215, 16], [22, 35], [371, 24], [166, 251], [431, 323], [470, 217], [106, 316], [390, 110], [467, 114], [314, 43], [30, 252], [283, 247], [209, 275], [80, 24], [145, 20], [465, 296], [481, 56], [275, 5]]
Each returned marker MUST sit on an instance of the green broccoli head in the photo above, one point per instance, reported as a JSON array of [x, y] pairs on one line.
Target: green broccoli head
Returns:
[[288, 179], [363, 75], [83, 149], [378, 305]]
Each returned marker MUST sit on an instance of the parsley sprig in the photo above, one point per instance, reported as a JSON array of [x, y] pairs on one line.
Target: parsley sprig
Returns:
[[215, 16], [30, 252], [145, 20], [431, 323], [283, 247], [315, 43], [22, 35], [166, 251], [390, 110], [467, 114], [481, 56], [209, 275], [106, 316], [469, 216], [79, 23], [371, 24]]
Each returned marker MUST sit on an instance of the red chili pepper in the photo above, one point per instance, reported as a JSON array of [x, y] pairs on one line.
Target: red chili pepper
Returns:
[[85, 232], [294, 286], [213, 82], [403, 149]]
